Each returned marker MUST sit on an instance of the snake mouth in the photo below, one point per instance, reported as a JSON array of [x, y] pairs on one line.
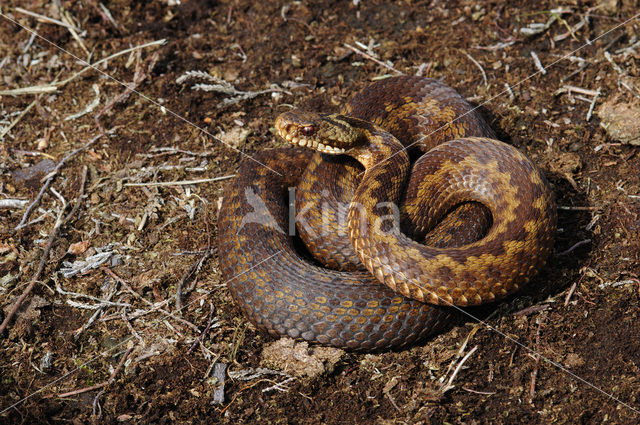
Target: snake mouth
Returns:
[[312, 144], [290, 134], [307, 130]]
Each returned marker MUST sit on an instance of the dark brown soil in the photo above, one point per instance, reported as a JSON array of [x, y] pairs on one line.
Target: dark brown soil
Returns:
[[565, 350]]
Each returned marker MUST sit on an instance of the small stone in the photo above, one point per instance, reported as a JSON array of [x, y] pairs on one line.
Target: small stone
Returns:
[[78, 247], [231, 75], [219, 370], [621, 121], [116, 260], [38, 170], [43, 144], [298, 359], [47, 361], [573, 360], [234, 137]]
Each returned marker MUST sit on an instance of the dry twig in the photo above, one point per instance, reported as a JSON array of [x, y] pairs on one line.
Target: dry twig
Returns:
[[577, 208], [146, 301], [279, 386], [105, 14], [534, 374], [181, 182], [40, 89], [66, 17], [371, 58], [206, 329], [536, 61], [46, 19], [532, 309], [52, 175], [222, 86], [17, 204], [92, 319], [43, 262], [476, 63], [449, 385], [192, 272], [573, 248], [18, 118], [139, 76], [102, 384], [95, 65]]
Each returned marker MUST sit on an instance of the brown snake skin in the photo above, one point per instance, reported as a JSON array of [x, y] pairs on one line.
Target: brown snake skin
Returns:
[[419, 113], [285, 294]]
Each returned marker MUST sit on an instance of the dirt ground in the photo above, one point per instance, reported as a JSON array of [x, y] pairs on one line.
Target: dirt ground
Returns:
[[129, 219]]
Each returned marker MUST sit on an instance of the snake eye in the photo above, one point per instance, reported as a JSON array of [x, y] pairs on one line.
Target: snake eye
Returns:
[[308, 130]]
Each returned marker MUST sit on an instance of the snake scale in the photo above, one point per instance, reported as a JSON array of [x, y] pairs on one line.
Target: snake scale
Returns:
[[407, 206]]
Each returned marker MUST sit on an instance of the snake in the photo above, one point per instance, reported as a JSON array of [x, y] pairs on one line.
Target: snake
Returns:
[[476, 219]]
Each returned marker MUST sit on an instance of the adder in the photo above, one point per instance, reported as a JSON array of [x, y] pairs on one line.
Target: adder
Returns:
[[478, 219]]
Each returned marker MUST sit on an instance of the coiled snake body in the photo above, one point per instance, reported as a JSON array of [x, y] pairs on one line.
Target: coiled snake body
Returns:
[[482, 211]]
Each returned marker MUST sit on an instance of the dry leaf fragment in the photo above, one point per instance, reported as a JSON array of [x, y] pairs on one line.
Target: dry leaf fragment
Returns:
[[78, 247]]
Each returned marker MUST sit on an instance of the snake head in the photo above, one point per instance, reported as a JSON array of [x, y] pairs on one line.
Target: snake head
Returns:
[[326, 133]]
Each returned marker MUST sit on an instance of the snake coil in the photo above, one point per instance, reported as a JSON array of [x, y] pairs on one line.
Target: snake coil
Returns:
[[482, 211]]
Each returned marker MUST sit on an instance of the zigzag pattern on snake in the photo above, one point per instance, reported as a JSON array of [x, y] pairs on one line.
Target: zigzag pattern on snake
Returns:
[[483, 212]]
